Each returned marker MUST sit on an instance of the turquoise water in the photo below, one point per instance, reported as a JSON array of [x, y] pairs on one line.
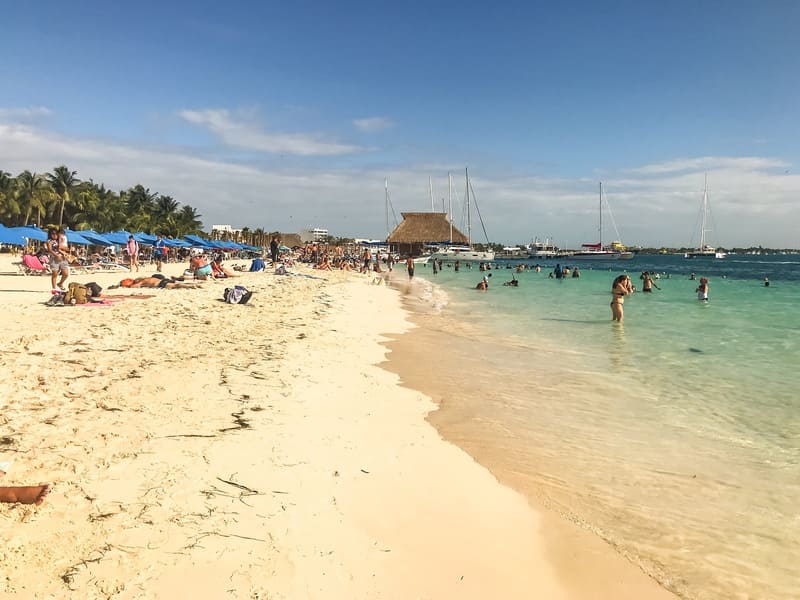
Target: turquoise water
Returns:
[[675, 436]]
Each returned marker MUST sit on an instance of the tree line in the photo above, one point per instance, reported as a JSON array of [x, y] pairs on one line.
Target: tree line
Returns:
[[61, 198]]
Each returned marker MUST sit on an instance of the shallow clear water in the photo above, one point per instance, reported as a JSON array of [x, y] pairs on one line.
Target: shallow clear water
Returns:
[[675, 436]]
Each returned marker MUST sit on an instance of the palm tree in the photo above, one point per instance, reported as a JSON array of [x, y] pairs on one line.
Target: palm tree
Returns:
[[64, 184], [9, 207], [165, 207], [33, 193], [188, 221], [141, 204], [105, 209]]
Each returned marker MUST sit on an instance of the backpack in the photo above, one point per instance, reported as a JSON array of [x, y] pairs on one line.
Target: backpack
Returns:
[[238, 294], [76, 294]]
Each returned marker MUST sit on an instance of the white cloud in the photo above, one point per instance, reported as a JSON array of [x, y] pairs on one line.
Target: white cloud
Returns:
[[373, 124], [30, 112], [248, 135], [710, 162], [750, 205]]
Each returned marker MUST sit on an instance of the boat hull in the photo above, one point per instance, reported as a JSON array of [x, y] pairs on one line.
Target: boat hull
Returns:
[[463, 256], [701, 255], [601, 255]]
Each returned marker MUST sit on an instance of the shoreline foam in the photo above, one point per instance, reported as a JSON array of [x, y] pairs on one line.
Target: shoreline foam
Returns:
[[588, 566]]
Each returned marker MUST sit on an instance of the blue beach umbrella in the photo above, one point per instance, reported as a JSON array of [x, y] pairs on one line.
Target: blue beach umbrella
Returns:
[[118, 237], [96, 238], [9, 236], [75, 237], [145, 238], [31, 232], [198, 241]]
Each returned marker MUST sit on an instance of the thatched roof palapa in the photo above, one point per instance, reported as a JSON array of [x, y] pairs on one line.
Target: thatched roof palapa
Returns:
[[423, 227]]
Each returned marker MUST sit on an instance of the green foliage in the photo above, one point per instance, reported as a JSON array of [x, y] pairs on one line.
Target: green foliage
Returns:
[[61, 197]]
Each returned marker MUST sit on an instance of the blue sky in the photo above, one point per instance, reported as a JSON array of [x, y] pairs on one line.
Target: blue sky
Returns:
[[291, 115]]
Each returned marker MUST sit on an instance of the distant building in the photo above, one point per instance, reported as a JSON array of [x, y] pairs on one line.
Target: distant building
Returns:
[[420, 228], [221, 231], [314, 235]]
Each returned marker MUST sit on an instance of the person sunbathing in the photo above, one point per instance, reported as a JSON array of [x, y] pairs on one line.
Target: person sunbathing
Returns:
[[24, 494], [157, 281]]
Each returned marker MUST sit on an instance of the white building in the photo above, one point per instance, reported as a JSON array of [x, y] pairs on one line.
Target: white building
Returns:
[[224, 229], [313, 235]]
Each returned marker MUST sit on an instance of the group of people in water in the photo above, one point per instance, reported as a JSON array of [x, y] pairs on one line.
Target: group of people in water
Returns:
[[621, 287]]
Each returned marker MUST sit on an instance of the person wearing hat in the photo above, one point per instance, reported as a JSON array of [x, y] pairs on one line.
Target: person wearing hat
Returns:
[[58, 252]]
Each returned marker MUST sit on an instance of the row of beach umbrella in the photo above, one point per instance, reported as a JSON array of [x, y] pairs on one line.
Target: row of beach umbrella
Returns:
[[19, 236]]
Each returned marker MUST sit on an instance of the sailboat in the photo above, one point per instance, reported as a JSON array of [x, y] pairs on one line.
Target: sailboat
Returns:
[[463, 253], [704, 250], [614, 251]]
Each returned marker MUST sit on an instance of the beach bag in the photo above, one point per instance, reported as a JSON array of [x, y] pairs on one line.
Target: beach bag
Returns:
[[238, 294], [94, 289], [77, 293]]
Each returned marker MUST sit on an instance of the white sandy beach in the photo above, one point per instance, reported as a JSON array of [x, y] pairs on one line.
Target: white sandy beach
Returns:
[[205, 450]]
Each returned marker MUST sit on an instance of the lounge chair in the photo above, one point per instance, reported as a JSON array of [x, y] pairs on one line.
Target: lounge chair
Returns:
[[31, 265]]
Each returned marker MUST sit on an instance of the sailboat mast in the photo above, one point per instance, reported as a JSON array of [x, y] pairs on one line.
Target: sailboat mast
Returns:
[[450, 203], [601, 215], [469, 221], [705, 214], [386, 202], [430, 192]]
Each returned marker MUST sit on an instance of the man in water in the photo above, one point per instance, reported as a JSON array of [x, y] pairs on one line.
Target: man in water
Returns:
[[410, 267]]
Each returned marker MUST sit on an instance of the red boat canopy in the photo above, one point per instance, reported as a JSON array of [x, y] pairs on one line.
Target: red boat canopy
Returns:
[[592, 246]]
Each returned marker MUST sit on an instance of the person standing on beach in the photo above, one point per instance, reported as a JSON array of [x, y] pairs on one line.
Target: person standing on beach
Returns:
[[410, 267], [619, 289], [274, 247], [367, 264], [702, 290], [159, 252], [390, 260], [58, 252], [132, 247], [435, 267]]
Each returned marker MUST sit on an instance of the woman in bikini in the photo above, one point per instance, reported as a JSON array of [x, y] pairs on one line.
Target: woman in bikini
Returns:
[[619, 289]]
